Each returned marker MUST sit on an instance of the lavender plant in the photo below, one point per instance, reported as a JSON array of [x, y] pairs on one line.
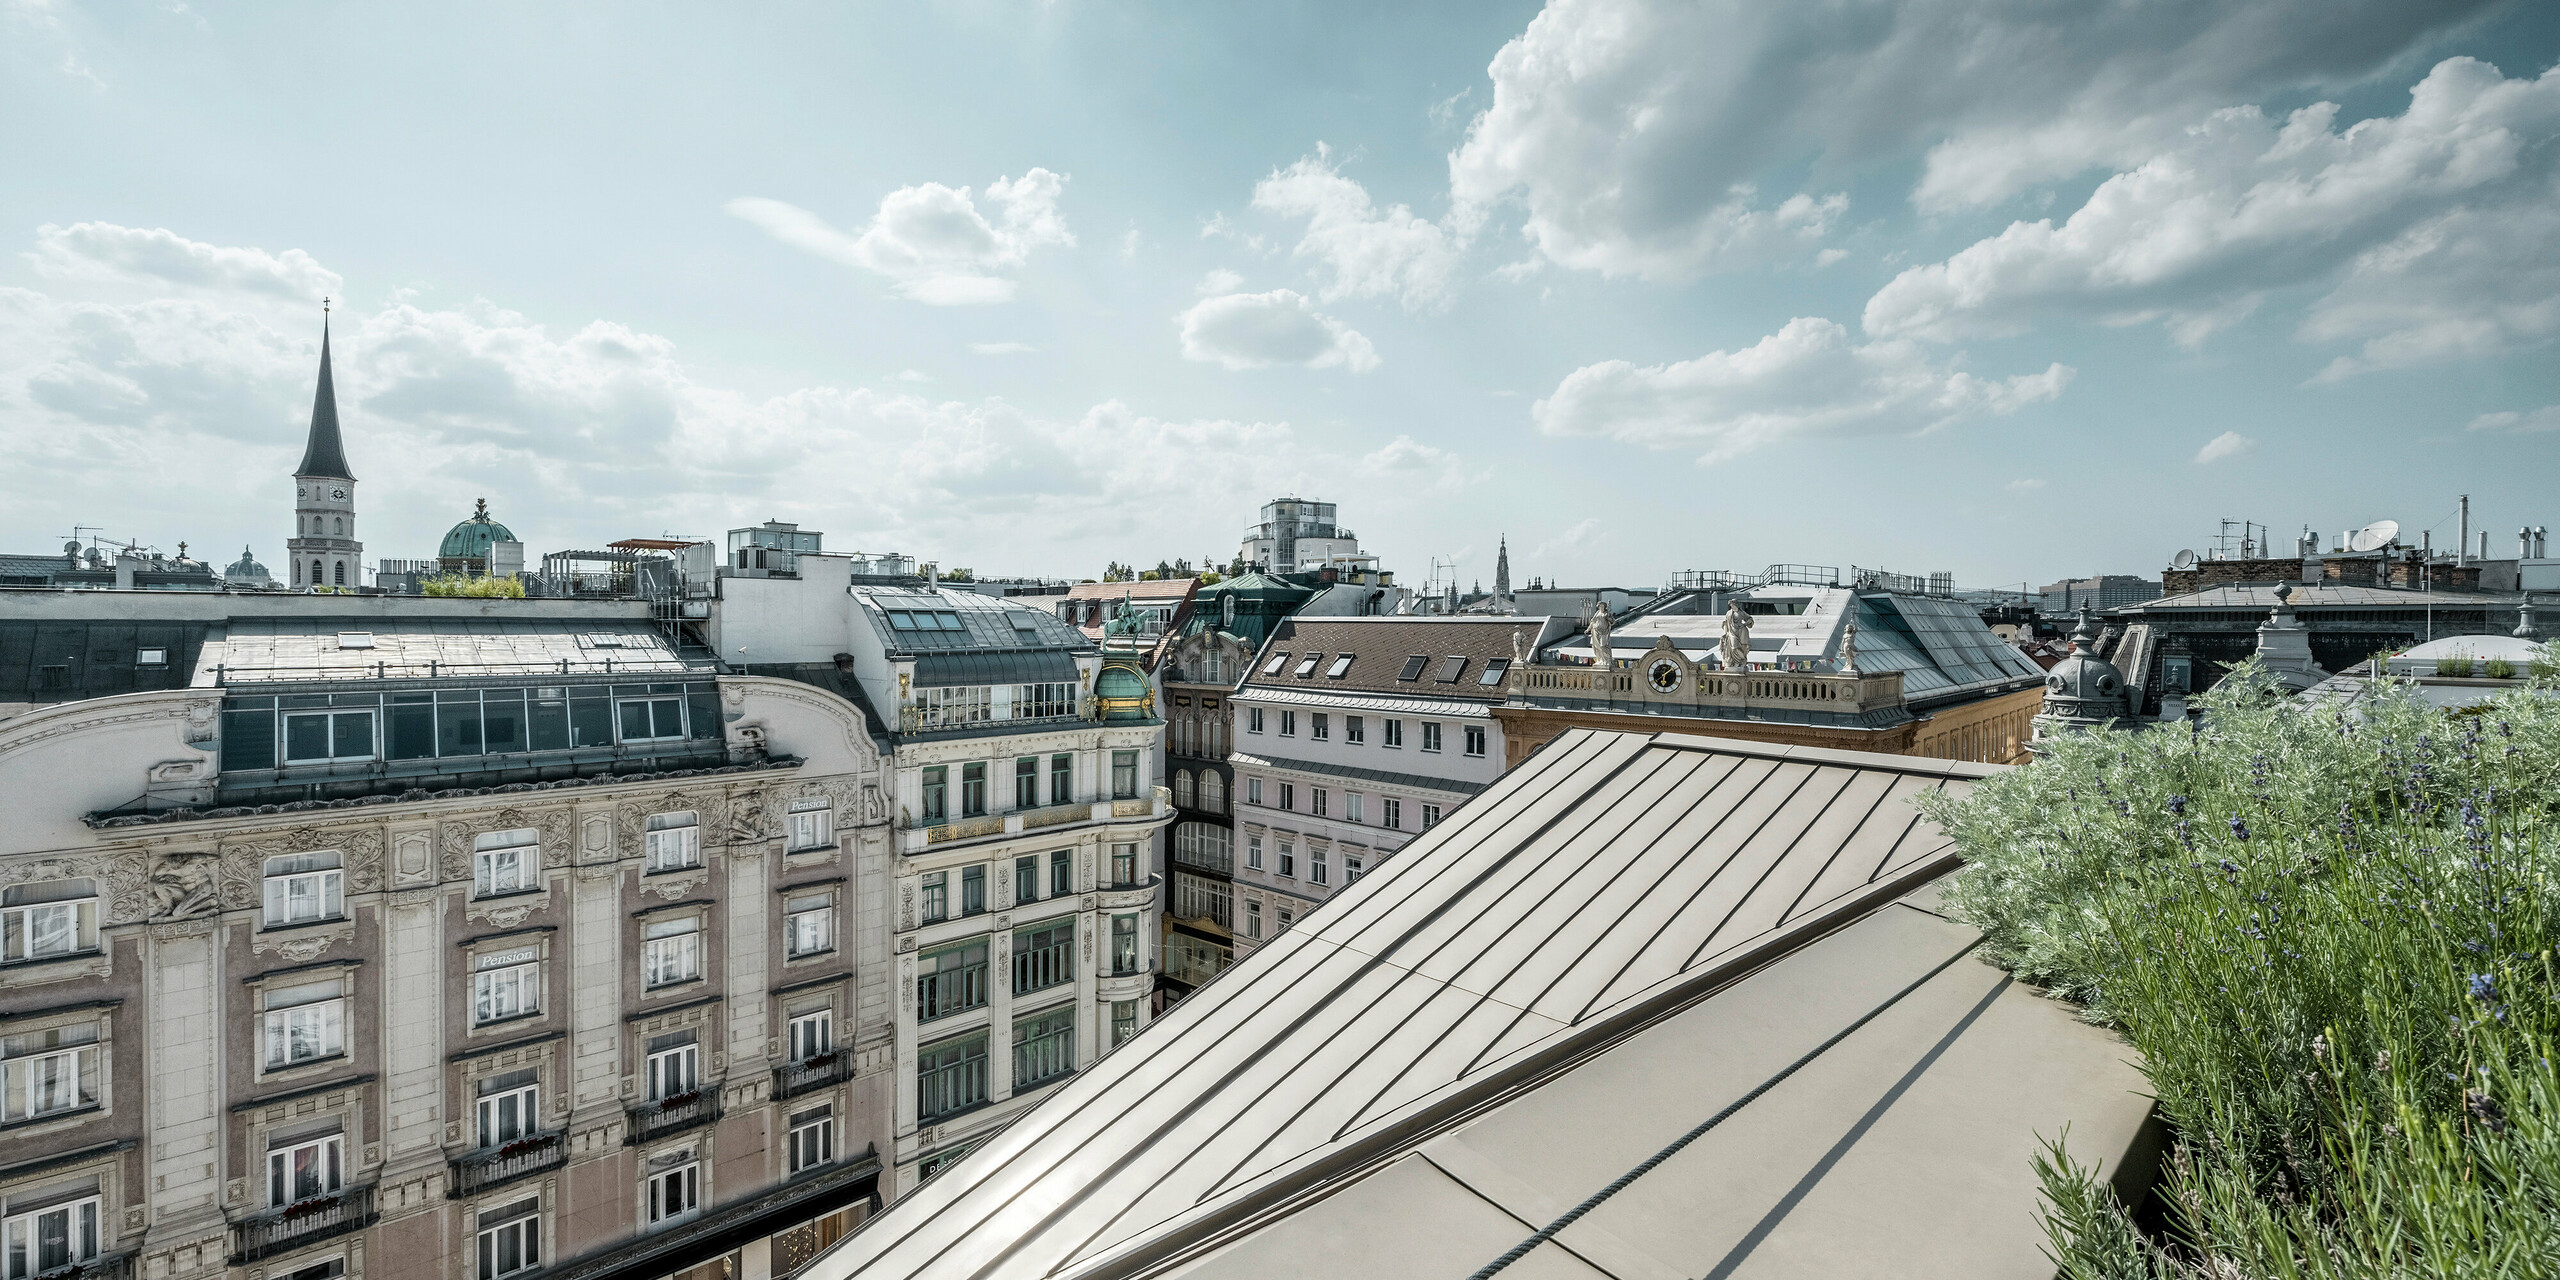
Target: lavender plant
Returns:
[[2331, 937]]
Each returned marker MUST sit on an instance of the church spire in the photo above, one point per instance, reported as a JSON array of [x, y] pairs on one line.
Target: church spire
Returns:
[[325, 456], [1502, 569]]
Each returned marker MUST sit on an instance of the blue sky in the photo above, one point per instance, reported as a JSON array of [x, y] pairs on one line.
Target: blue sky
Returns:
[[1644, 286]]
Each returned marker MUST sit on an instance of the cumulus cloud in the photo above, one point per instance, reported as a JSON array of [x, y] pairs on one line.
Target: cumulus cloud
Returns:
[[2546, 418], [100, 251], [1260, 330], [2428, 205], [1359, 250], [1220, 280], [1405, 461], [1636, 133], [2230, 444], [932, 242], [1810, 377]]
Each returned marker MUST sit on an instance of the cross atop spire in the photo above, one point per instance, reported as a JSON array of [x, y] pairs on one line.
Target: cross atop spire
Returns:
[[325, 455]]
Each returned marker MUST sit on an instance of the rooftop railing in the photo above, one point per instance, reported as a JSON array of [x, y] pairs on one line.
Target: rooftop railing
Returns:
[[1795, 690]]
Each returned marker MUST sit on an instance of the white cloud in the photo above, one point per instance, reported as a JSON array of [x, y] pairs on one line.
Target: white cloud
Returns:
[[2024, 485], [1220, 280], [1219, 226], [914, 375], [2546, 418], [100, 251], [1809, 377], [1360, 251], [1634, 133], [1577, 538], [2243, 204], [2230, 444], [1405, 461], [931, 241], [1001, 348], [1260, 330]]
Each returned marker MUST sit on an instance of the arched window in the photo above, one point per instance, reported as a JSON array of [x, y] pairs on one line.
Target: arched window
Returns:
[[315, 573], [341, 525], [342, 573], [1182, 788], [1213, 791]]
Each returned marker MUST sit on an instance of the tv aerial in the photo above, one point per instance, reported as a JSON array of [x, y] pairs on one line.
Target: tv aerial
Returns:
[[2375, 536]]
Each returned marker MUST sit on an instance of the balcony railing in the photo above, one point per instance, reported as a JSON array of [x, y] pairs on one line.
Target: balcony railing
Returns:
[[1812, 690], [486, 1168], [792, 1079], [299, 1224], [114, 1266], [652, 1120]]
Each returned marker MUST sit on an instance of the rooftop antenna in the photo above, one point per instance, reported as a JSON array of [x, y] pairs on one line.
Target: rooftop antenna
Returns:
[[2374, 537]]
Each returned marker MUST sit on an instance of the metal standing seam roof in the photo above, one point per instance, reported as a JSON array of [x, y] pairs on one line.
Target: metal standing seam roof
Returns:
[[988, 622], [1609, 881], [2319, 595], [1374, 704], [320, 648]]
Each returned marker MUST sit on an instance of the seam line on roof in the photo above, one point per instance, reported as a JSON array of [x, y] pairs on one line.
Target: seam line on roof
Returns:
[[1497, 1207], [1770, 867], [1654, 1161], [1883, 794]]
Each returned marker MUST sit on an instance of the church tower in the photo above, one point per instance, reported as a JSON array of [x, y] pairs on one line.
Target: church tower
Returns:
[[323, 551], [1502, 569]]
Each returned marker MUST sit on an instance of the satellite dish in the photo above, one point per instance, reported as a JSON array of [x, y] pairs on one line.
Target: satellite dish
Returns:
[[2183, 560], [2374, 537], [71, 548]]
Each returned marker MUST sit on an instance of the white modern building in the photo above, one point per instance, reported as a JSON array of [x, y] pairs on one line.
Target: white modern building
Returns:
[[1299, 535]]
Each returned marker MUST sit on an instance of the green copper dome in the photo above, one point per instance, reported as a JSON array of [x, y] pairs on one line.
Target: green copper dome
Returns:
[[1122, 694], [471, 538]]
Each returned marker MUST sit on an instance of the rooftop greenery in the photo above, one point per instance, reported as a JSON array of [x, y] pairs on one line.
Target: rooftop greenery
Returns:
[[2331, 938]]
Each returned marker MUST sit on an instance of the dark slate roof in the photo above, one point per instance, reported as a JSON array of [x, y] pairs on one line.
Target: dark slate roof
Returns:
[[1618, 940], [1019, 666], [326, 455], [986, 622], [1380, 648], [46, 662]]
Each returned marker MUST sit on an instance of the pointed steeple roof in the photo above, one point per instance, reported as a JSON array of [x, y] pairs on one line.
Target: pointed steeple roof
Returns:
[[325, 455]]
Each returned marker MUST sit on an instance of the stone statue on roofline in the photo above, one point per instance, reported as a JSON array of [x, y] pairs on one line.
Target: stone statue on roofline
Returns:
[[1600, 655], [1735, 651], [1849, 649]]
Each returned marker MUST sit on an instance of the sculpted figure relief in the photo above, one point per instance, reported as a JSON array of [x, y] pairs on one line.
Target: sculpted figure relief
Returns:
[[182, 885]]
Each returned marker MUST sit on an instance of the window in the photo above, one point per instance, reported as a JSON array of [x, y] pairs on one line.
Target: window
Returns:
[[1062, 779], [813, 1035], [1395, 732], [1351, 806], [1391, 813], [812, 824], [329, 1270], [1124, 1021], [1341, 667], [1288, 860], [1253, 853], [1494, 670], [1205, 845], [1124, 944], [1026, 878], [1026, 782], [954, 706], [1353, 731], [1351, 867], [1413, 665], [973, 890], [1039, 701], [304, 1023], [1213, 791], [674, 1186], [503, 862], [303, 887], [45, 1073], [1253, 791], [1430, 735], [810, 923], [951, 980], [151, 657], [673, 841], [1253, 919], [507, 1109], [1288, 723], [1044, 1047], [305, 1170], [1318, 726], [1183, 795], [1124, 864], [51, 1239], [505, 984], [1124, 775], [1451, 668], [672, 951], [1285, 920], [1475, 739], [973, 790], [651, 719], [1044, 956], [924, 620], [1317, 871], [511, 1239], [936, 799], [1062, 872], [812, 1139], [1253, 720], [950, 1076], [675, 1066], [1289, 795], [1430, 816], [312, 737], [1278, 660], [1316, 801], [937, 897]]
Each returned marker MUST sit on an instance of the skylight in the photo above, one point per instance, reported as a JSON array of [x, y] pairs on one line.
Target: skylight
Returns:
[[1341, 664], [1278, 660], [1413, 665], [1452, 667], [1308, 667], [355, 639], [1494, 670]]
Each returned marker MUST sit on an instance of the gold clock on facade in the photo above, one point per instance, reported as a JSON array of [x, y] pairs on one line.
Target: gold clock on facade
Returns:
[[1663, 675]]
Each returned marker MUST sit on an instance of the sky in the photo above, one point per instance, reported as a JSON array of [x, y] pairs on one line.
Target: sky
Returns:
[[1976, 286]]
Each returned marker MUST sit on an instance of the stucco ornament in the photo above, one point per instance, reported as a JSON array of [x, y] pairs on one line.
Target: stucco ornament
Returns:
[[182, 885], [1736, 648], [746, 818]]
